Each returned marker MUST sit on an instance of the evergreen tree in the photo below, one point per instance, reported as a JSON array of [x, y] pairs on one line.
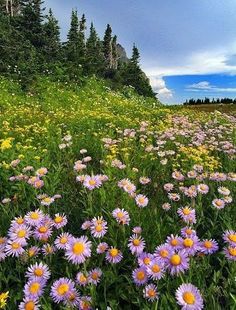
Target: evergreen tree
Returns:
[[73, 38], [114, 53], [132, 75], [94, 55], [81, 40], [52, 43], [30, 22], [107, 47]]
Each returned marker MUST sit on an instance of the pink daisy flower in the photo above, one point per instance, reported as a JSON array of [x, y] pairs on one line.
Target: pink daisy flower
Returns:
[[136, 244], [113, 255], [140, 276], [141, 201], [59, 220], [150, 292], [81, 279], [62, 241], [178, 262], [156, 269], [208, 246], [230, 237], [189, 297], [94, 276], [98, 227], [38, 271], [102, 247], [78, 250], [92, 182], [121, 216]]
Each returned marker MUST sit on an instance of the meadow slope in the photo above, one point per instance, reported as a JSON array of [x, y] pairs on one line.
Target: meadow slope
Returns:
[[125, 198]]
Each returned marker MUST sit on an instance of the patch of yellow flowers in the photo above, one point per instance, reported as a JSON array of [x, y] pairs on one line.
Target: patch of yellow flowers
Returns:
[[3, 299]]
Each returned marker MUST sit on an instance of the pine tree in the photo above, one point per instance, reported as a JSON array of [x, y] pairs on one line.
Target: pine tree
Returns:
[[94, 55], [132, 75], [81, 40], [107, 47], [114, 53], [73, 38], [30, 21], [52, 43]]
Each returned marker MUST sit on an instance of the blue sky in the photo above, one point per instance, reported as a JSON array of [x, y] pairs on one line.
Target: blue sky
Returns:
[[188, 47]]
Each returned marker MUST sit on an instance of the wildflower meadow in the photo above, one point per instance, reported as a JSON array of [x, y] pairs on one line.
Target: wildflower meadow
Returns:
[[112, 201]]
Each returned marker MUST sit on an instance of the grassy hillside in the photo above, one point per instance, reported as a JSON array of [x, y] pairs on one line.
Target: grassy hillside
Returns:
[[87, 140]]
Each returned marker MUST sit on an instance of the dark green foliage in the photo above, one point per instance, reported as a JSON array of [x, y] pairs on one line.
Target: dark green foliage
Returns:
[[30, 46], [208, 101]]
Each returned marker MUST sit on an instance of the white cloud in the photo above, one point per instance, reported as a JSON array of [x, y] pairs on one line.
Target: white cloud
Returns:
[[159, 86], [208, 62], [207, 87]]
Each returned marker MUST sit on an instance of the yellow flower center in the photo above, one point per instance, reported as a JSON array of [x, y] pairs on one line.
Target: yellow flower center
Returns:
[[21, 233], [34, 216], [141, 200], [47, 199], [42, 229], [58, 219], [20, 221], [218, 203], [15, 245], [82, 278], [63, 240], [136, 242], [34, 287], [98, 228], [71, 297], [232, 251], [94, 276], [146, 260], [140, 275], [92, 182], [208, 244], [188, 231], [174, 242], [31, 252], [186, 211], [113, 252], [188, 243], [38, 272], [78, 248], [175, 260], [151, 293], [30, 305], [164, 253], [232, 238], [189, 298], [120, 215], [63, 289], [156, 268]]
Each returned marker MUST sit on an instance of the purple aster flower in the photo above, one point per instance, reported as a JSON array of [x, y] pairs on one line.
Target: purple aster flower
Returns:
[[218, 203], [129, 188], [141, 201], [14, 248], [85, 303], [29, 303], [168, 187], [34, 218], [78, 250], [113, 255], [59, 221], [166, 206], [121, 216], [174, 196], [42, 231], [92, 182], [86, 225], [174, 241], [203, 188], [140, 276], [224, 191], [81, 279], [163, 251], [94, 276], [208, 246], [187, 214], [150, 292], [156, 269], [178, 262], [177, 175], [102, 247], [188, 232], [62, 241], [230, 237], [191, 245], [188, 297], [38, 271], [137, 230], [48, 249], [20, 234], [33, 251], [230, 252], [144, 259], [144, 180], [192, 174], [61, 290], [136, 244], [98, 227], [34, 288]]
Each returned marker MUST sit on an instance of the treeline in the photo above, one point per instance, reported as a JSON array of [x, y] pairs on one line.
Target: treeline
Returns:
[[210, 101], [30, 45]]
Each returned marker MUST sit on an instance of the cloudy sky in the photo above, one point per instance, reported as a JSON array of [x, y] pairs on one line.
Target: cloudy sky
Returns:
[[188, 47]]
